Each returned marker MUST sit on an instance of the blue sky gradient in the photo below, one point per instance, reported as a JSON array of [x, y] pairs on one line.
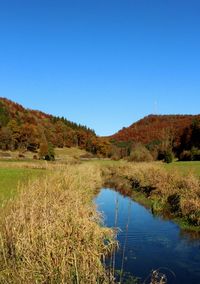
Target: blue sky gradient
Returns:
[[102, 63]]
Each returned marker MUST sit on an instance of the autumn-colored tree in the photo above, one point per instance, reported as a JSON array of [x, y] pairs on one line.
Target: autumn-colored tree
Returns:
[[43, 150], [195, 136], [28, 127], [15, 134], [22, 128], [5, 138], [189, 148]]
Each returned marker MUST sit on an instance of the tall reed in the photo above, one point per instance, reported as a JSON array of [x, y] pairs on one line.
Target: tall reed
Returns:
[[169, 191], [52, 233]]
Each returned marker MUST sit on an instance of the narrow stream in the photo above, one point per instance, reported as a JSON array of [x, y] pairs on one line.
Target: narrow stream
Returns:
[[151, 242]]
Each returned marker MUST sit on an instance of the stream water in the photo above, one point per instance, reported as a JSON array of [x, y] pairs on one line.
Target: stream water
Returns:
[[149, 242]]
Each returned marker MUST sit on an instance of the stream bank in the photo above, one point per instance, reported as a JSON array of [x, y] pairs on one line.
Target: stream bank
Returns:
[[167, 194]]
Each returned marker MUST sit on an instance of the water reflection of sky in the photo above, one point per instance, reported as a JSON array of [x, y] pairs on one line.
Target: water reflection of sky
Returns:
[[151, 242]]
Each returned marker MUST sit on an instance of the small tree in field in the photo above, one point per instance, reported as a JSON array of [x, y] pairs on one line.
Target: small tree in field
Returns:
[[46, 151], [168, 156], [51, 153], [43, 151]]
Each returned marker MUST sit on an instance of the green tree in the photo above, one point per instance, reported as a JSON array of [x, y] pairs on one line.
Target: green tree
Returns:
[[168, 156]]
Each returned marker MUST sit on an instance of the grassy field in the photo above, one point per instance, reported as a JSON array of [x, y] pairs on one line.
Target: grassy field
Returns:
[[11, 178], [13, 172], [12, 175], [10, 155], [184, 167], [52, 233], [69, 155], [181, 167], [53, 222]]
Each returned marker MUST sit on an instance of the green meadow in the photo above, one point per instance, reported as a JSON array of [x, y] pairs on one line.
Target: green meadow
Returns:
[[11, 178], [185, 167]]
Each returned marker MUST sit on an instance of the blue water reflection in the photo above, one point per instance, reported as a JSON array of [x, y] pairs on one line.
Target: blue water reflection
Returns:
[[152, 242]]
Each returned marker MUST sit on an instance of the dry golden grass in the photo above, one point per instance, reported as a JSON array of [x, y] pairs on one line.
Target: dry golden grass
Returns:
[[36, 164], [26, 165], [52, 233], [69, 155], [177, 193], [15, 154]]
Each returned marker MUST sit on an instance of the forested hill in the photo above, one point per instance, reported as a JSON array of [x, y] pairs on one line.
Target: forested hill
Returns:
[[36, 131], [178, 133], [22, 128], [156, 127]]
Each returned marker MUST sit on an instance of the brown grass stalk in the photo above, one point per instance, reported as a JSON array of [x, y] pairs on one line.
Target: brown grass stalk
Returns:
[[52, 233]]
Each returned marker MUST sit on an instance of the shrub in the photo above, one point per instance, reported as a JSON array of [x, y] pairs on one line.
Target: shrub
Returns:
[[22, 156], [168, 157], [185, 156], [195, 154], [192, 155], [140, 154]]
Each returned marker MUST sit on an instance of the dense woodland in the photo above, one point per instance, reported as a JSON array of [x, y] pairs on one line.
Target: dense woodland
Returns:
[[36, 131], [161, 134], [151, 138]]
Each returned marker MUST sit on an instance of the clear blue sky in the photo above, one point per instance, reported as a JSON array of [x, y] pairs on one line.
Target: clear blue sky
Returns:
[[102, 63]]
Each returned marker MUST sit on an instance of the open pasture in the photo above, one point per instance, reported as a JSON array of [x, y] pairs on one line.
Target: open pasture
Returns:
[[185, 167], [16, 173]]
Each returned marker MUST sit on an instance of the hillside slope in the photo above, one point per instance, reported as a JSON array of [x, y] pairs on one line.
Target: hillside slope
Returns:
[[155, 127], [22, 128], [162, 132], [32, 130]]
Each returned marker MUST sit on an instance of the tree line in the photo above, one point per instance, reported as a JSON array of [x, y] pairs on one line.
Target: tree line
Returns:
[[22, 129], [156, 137]]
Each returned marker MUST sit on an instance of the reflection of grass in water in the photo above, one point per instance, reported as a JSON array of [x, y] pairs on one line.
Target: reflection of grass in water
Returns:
[[125, 242], [128, 278], [120, 274]]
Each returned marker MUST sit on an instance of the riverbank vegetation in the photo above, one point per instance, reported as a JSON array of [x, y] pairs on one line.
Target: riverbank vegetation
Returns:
[[166, 192], [51, 232]]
